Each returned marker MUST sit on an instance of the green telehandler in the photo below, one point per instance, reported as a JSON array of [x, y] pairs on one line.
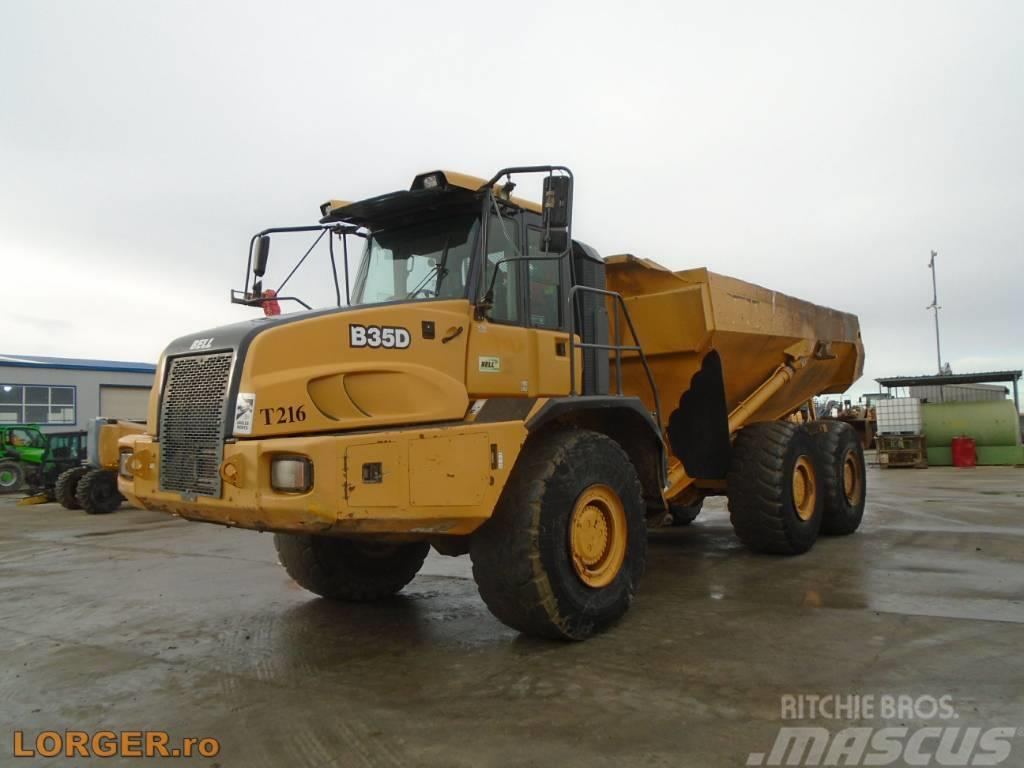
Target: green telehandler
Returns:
[[28, 457]]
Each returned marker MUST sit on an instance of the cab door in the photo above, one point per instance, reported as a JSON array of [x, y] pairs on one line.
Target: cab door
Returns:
[[521, 349], [547, 284]]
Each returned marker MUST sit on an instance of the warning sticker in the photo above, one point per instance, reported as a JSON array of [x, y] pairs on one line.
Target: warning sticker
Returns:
[[245, 406]]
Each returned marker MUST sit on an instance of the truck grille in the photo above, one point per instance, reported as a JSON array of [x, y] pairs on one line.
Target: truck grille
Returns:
[[192, 424]]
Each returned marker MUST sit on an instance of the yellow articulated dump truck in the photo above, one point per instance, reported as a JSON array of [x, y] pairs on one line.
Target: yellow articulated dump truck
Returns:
[[483, 382]]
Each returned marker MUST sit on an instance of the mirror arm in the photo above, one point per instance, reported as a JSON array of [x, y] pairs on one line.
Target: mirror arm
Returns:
[[237, 297]]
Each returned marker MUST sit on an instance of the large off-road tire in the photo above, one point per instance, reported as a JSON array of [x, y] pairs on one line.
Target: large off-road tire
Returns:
[[564, 551], [347, 569], [684, 515], [67, 485], [97, 492], [12, 476], [843, 479], [774, 487]]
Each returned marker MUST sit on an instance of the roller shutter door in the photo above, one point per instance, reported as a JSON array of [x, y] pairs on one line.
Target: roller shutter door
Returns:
[[128, 403]]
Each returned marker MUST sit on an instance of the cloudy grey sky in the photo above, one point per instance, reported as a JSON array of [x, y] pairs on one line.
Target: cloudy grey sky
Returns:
[[817, 148]]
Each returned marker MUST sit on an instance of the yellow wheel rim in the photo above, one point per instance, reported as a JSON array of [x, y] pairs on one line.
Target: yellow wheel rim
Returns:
[[805, 488], [853, 482], [597, 536]]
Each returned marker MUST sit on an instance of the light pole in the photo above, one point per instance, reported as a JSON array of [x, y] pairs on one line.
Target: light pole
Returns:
[[935, 305]]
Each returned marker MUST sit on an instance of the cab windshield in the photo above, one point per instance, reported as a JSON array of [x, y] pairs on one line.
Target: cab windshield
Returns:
[[428, 260]]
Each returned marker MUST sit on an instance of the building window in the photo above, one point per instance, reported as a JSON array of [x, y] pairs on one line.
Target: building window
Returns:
[[37, 404]]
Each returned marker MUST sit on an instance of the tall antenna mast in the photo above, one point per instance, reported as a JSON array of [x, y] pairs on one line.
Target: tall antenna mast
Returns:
[[935, 305]]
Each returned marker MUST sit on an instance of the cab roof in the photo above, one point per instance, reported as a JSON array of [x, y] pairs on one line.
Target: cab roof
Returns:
[[431, 193]]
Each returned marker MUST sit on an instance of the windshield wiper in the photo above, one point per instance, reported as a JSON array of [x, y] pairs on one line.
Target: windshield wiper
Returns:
[[437, 270]]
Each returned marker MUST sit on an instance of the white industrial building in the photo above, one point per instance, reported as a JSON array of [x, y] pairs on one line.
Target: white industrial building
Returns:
[[61, 394]]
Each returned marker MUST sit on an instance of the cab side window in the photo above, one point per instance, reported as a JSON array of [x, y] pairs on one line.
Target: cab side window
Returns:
[[545, 279], [503, 243]]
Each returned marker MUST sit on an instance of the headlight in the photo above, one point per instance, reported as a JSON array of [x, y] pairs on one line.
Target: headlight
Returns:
[[291, 474], [124, 464]]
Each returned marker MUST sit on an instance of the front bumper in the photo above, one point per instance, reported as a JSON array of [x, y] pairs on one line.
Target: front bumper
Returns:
[[429, 481]]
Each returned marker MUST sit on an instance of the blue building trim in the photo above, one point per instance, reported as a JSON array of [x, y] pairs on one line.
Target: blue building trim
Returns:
[[73, 364]]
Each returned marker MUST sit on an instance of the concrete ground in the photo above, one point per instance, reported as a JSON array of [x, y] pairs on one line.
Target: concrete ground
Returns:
[[139, 621]]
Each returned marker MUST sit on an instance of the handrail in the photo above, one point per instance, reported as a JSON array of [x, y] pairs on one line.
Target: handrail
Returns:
[[618, 347]]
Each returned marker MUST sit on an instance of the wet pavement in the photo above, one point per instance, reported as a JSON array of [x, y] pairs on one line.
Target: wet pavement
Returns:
[[139, 621]]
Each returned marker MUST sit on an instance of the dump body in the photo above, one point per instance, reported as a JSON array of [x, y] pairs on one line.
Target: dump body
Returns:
[[682, 317]]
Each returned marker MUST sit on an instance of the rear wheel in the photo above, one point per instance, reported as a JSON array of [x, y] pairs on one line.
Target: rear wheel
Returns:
[[97, 492], [774, 487], [563, 553], [67, 485], [843, 479], [12, 476], [684, 515], [346, 569]]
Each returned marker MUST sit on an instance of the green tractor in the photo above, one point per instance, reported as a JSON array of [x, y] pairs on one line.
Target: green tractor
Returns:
[[29, 457]]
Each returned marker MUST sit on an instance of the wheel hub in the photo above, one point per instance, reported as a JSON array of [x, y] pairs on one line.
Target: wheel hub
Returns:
[[804, 488], [852, 485], [597, 536]]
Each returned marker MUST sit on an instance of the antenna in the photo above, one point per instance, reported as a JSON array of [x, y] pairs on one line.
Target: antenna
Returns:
[[935, 305]]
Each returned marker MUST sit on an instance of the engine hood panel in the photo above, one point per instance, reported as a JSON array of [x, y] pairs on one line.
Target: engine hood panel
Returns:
[[339, 369]]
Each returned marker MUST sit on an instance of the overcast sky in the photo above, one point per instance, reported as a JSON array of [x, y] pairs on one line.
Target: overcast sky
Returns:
[[822, 149]]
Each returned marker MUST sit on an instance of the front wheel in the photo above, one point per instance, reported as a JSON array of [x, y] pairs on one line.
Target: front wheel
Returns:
[[97, 492], [347, 569], [563, 553], [67, 486], [12, 476]]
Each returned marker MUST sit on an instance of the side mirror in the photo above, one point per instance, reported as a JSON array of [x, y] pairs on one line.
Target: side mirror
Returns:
[[557, 201], [259, 261], [557, 212]]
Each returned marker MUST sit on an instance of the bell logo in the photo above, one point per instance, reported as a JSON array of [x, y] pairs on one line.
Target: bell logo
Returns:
[[490, 364], [201, 344]]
